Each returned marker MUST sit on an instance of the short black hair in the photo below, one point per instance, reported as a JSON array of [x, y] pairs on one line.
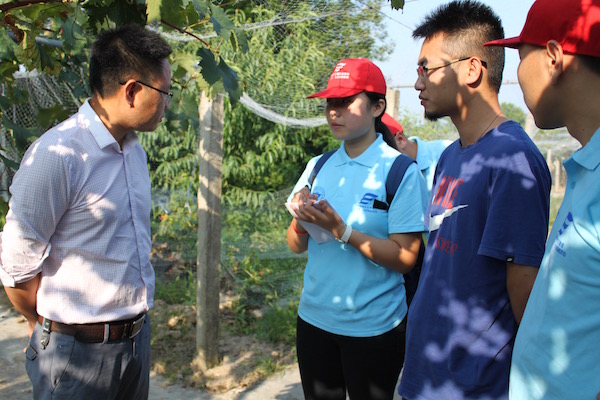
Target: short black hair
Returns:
[[467, 25], [130, 51]]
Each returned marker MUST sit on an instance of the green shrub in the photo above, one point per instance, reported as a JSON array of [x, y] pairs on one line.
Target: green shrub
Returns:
[[181, 290]]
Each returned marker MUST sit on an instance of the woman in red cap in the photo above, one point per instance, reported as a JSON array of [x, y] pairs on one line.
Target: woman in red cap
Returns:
[[350, 330]]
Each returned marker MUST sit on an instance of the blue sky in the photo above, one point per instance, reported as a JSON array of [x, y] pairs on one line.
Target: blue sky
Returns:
[[400, 68]]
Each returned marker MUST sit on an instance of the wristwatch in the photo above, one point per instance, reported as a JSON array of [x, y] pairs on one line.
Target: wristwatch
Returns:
[[346, 236]]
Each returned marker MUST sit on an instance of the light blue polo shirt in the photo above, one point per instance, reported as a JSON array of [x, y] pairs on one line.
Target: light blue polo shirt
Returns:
[[428, 154], [344, 292], [557, 352]]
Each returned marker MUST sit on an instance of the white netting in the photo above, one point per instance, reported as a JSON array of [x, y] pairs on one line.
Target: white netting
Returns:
[[272, 116], [278, 71], [273, 50], [44, 92]]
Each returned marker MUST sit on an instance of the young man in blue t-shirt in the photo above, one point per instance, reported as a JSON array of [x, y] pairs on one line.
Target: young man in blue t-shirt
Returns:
[[488, 216]]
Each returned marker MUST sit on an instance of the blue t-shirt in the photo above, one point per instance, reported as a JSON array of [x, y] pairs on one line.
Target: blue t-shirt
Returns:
[[344, 292], [556, 351], [489, 205]]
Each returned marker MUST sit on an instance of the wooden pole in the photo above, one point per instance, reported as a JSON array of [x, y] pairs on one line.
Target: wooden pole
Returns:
[[393, 103], [209, 231]]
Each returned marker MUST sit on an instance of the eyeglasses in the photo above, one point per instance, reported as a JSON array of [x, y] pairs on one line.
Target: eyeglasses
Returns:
[[424, 71], [169, 94]]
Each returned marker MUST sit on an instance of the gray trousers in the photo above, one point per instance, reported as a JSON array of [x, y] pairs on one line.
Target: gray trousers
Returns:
[[68, 369]]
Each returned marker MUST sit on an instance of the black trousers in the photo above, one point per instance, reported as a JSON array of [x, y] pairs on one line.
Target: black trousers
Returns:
[[367, 368]]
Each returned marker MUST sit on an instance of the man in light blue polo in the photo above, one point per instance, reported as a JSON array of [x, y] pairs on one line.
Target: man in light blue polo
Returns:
[[556, 350], [425, 152]]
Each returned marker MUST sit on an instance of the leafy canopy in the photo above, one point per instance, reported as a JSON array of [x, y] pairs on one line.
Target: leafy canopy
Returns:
[[53, 37], [284, 64]]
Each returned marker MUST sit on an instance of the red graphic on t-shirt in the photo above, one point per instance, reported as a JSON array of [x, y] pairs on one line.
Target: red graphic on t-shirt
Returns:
[[446, 191]]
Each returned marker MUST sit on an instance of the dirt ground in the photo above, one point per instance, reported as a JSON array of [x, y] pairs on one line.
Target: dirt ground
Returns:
[[244, 359], [235, 378]]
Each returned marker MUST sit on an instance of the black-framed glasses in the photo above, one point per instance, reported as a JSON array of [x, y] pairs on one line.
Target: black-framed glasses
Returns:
[[169, 94], [424, 71]]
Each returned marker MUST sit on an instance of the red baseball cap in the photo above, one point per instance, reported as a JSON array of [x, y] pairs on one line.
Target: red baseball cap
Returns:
[[575, 24], [352, 76], [393, 125]]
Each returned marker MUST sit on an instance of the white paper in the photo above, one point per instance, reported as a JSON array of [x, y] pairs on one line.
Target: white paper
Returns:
[[318, 234]]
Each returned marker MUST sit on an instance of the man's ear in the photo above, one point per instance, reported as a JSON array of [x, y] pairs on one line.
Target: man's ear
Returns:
[[401, 140], [555, 59], [475, 71], [130, 89]]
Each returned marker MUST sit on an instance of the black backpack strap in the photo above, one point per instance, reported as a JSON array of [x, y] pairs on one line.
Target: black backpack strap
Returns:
[[397, 171], [318, 165], [395, 176], [411, 279]]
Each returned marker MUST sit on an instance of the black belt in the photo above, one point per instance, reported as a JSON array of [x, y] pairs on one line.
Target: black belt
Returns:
[[98, 332]]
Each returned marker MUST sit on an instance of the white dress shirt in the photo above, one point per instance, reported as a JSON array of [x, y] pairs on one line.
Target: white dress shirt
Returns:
[[80, 215]]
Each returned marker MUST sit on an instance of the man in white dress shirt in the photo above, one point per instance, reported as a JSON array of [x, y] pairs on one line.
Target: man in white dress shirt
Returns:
[[75, 251]]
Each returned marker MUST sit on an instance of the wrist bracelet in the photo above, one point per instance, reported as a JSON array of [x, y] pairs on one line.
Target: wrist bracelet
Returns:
[[299, 233], [346, 236]]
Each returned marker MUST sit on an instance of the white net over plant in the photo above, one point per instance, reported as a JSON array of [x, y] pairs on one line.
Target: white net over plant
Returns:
[[293, 46], [268, 114], [44, 92], [6, 174]]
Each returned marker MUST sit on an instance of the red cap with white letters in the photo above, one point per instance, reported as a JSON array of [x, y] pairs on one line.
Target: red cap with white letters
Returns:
[[352, 76]]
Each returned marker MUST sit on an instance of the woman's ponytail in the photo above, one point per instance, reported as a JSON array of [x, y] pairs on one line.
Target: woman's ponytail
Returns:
[[379, 125]]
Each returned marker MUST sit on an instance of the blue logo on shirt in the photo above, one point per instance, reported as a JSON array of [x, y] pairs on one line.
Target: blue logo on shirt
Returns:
[[566, 224], [559, 244], [367, 199], [319, 191]]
